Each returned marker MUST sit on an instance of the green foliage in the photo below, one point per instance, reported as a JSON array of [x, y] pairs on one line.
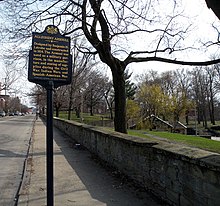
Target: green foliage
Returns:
[[154, 100], [146, 124], [130, 87], [133, 110]]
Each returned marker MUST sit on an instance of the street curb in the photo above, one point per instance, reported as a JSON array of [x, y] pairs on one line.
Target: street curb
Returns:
[[26, 172]]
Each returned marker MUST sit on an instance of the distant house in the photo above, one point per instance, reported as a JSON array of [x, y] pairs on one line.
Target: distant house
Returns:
[[4, 102]]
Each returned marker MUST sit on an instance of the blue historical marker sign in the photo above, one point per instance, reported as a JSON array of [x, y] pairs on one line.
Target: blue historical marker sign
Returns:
[[50, 59]]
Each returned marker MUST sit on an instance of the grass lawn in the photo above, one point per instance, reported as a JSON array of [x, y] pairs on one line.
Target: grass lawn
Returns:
[[85, 117], [194, 141]]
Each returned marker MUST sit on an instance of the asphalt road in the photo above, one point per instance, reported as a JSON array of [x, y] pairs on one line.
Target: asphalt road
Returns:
[[15, 135]]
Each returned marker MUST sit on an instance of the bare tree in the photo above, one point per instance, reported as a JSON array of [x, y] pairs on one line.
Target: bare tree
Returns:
[[10, 76], [211, 92], [81, 73], [14, 104], [183, 82], [60, 99], [95, 89], [106, 25], [38, 95], [200, 90], [82, 64]]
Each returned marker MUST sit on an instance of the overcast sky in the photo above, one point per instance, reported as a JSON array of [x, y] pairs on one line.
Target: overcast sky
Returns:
[[203, 18]]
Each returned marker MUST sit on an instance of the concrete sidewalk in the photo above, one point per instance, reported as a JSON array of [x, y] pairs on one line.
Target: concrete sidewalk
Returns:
[[79, 180]]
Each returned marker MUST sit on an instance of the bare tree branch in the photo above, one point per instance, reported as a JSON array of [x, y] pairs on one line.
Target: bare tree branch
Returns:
[[171, 61]]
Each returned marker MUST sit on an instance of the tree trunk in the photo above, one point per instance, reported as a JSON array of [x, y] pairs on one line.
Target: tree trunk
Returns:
[[213, 113], [91, 103], [78, 111], [120, 101], [212, 107], [69, 113], [43, 110], [199, 114], [91, 110], [187, 117], [57, 111], [111, 112], [70, 103], [204, 117]]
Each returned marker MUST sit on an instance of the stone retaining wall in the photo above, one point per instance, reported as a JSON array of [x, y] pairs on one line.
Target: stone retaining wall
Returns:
[[177, 174]]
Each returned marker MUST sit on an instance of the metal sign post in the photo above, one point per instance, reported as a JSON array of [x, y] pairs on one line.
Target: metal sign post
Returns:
[[50, 65], [49, 145]]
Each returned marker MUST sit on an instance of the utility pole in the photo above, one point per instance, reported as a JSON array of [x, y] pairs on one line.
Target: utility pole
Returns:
[[5, 87], [196, 119]]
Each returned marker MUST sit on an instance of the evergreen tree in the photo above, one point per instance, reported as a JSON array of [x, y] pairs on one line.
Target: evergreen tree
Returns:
[[130, 87]]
